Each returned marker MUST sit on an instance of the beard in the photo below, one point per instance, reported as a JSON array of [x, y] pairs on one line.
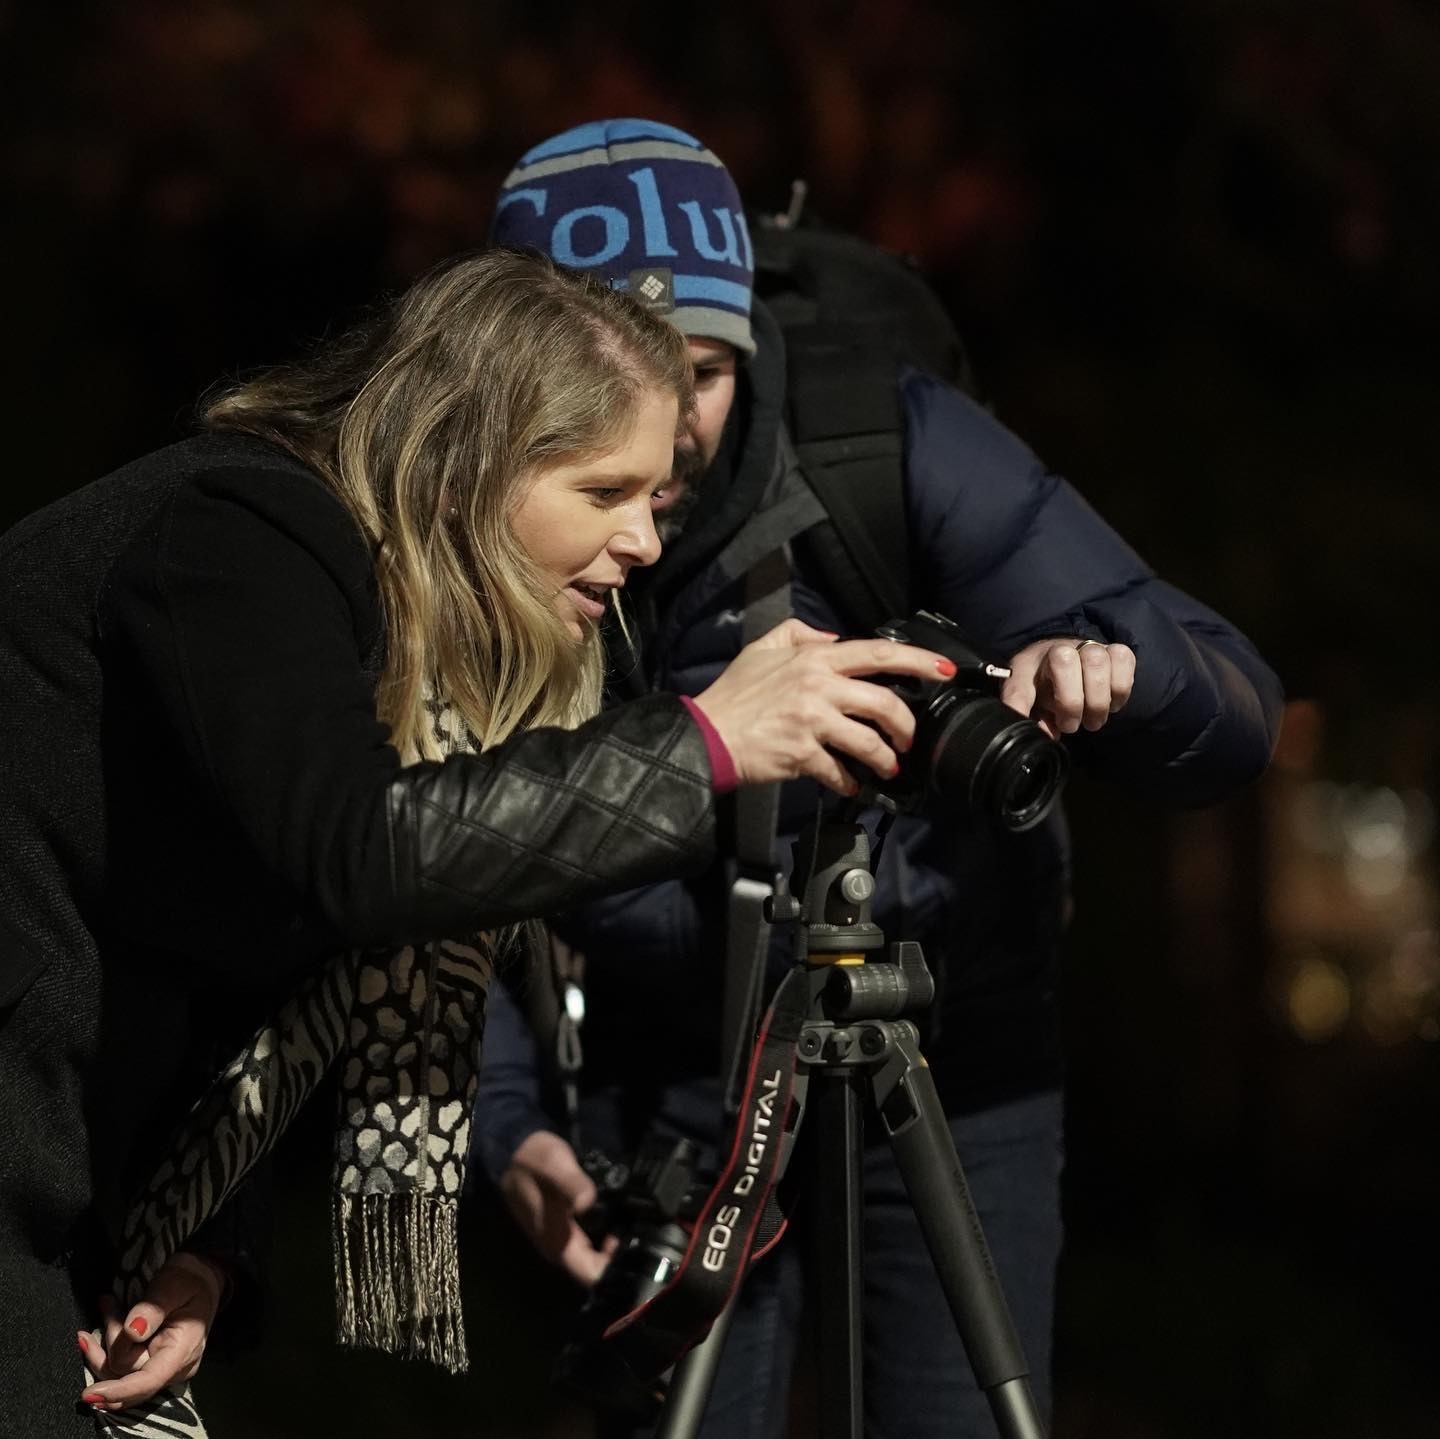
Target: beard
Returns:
[[686, 475]]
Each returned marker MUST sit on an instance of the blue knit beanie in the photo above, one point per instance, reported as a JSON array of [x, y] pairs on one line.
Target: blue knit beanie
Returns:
[[648, 208]]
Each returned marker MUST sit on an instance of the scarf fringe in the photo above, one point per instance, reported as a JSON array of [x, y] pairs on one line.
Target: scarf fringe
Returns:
[[397, 1276]]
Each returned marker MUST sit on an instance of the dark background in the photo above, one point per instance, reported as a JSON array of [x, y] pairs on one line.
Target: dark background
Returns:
[[1193, 247]]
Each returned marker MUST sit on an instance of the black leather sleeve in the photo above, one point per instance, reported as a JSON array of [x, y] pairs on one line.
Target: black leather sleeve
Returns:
[[552, 818]]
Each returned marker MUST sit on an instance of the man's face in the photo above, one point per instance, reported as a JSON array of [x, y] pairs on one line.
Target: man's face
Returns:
[[714, 363]]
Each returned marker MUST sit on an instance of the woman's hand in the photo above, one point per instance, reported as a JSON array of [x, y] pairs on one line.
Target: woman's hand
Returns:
[[794, 695], [160, 1341]]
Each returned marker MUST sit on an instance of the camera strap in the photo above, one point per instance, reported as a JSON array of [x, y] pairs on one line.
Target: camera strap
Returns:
[[740, 1218]]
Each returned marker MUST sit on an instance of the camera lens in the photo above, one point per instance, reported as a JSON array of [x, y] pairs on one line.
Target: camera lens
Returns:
[[1001, 764], [1027, 775]]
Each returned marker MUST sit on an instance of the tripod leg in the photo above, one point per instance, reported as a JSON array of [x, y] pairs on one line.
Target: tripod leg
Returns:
[[925, 1153], [837, 1098], [693, 1379]]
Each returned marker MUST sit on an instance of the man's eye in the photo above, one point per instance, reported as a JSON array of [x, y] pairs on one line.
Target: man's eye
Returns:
[[601, 494], [706, 375]]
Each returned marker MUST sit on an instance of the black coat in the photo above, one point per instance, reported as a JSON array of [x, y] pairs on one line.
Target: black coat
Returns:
[[198, 804]]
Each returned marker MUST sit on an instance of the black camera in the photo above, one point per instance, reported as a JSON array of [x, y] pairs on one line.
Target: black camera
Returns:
[[969, 747], [648, 1204]]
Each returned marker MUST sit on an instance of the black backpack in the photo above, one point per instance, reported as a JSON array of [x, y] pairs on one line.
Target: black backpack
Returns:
[[852, 314]]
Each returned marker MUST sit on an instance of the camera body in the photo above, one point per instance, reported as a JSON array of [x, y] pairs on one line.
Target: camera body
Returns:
[[970, 749], [648, 1204]]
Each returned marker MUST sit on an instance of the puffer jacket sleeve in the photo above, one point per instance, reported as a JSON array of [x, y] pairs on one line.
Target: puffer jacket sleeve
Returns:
[[508, 1107], [1013, 553]]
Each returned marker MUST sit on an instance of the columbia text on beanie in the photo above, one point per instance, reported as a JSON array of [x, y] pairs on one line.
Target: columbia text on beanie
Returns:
[[650, 209]]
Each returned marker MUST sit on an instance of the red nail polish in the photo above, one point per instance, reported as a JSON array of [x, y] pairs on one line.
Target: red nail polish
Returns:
[[96, 1399], [84, 1348], [138, 1327], [945, 667]]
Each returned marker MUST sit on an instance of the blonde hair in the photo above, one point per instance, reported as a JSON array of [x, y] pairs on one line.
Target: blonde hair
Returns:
[[428, 422]]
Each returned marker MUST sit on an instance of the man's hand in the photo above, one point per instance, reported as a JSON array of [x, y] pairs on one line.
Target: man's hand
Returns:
[[160, 1341], [544, 1189], [1065, 683]]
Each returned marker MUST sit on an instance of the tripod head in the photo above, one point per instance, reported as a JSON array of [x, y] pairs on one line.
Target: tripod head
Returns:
[[833, 874]]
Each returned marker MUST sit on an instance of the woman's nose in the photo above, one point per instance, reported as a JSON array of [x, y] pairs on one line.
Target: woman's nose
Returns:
[[637, 541]]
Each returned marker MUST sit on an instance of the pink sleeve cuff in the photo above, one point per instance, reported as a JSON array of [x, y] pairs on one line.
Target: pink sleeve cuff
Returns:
[[722, 768]]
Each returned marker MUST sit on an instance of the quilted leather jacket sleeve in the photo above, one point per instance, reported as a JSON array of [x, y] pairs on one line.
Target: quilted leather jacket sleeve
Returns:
[[555, 818]]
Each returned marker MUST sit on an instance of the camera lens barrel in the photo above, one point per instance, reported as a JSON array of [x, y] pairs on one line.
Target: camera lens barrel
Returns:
[[1001, 764]]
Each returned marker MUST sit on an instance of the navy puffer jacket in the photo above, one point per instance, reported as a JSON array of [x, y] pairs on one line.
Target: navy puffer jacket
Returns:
[[1013, 553]]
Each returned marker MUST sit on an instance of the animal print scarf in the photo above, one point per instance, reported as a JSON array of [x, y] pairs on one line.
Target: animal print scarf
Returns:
[[406, 1029]]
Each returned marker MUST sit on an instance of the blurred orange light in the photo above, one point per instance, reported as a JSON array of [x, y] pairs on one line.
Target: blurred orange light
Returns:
[[1317, 1001], [1302, 731]]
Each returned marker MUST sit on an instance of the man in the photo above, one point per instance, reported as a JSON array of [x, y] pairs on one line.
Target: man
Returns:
[[1145, 687]]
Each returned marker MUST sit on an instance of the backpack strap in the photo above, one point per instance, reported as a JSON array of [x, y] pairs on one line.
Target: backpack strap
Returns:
[[757, 809], [846, 424], [861, 549], [847, 429], [852, 315]]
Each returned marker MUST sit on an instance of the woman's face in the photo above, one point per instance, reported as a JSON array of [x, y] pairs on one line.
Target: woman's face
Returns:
[[585, 524]]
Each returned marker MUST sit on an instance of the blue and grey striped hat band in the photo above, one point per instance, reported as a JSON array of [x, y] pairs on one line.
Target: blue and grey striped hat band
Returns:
[[650, 209]]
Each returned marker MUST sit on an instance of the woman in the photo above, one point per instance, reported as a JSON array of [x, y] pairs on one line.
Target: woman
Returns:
[[321, 680]]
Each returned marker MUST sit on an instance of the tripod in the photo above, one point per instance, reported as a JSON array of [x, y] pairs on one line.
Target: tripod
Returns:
[[855, 1049]]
